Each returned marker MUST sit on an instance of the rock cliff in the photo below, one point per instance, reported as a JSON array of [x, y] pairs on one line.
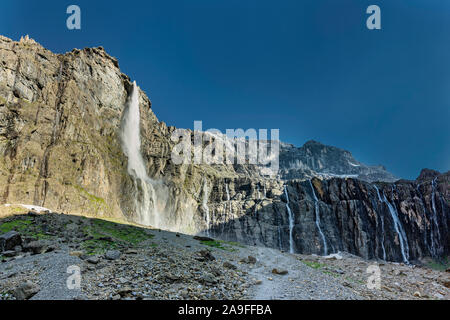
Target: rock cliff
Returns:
[[60, 147]]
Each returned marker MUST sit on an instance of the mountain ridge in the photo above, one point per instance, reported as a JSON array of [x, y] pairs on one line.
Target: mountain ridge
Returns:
[[60, 147]]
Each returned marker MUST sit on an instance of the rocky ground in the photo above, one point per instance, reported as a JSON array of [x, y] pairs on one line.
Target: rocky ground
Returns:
[[43, 251]]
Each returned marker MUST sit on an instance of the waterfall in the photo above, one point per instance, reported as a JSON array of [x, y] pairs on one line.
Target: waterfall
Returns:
[[398, 228], [264, 191], [382, 224], [205, 206], [228, 198], [227, 206], [435, 220], [317, 212], [145, 199], [424, 210], [291, 223], [279, 238]]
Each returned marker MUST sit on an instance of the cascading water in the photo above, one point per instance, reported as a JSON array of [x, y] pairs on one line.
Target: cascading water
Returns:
[[280, 244], [398, 228], [437, 238], [424, 210], [145, 200], [264, 191], [316, 209], [227, 207], [205, 206], [291, 223], [382, 224]]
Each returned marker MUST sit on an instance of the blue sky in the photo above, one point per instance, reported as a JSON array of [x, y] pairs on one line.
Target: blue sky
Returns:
[[310, 68]]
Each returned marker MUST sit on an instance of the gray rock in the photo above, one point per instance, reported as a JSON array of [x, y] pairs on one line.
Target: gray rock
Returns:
[[279, 271], [26, 290], [36, 247], [93, 259], [229, 265], [204, 255], [208, 278], [9, 253], [9, 240], [112, 254], [251, 259]]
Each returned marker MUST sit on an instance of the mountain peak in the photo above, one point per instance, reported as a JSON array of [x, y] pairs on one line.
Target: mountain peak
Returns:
[[427, 174], [313, 143]]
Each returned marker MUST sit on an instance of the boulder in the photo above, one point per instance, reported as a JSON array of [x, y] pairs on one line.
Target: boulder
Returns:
[[279, 271], [9, 253], [93, 259], [112, 254], [26, 290], [204, 255], [229, 265], [10, 240], [35, 247]]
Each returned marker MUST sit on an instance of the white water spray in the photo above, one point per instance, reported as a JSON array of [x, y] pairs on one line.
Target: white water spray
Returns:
[[291, 223], [145, 200], [382, 224], [424, 210], [205, 206], [398, 229], [317, 212], [435, 220]]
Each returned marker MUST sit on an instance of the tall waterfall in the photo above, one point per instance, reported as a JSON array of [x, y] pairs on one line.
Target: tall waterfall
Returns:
[[145, 199], [205, 206], [316, 208], [291, 223], [435, 220], [280, 244], [382, 224], [424, 210], [227, 207], [228, 199], [398, 229]]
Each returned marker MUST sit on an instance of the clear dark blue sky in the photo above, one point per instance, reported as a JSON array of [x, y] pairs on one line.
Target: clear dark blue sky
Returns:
[[310, 68]]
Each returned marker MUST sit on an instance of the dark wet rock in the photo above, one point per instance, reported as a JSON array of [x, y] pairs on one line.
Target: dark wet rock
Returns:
[[93, 259], [126, 291], [229, 265], [249, 260], [10, 240], [204, 255], [201, 238], [35, 247], [9, 253], [32, 213], [108, 239]]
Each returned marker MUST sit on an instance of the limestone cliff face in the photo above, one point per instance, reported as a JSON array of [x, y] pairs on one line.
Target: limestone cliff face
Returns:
[[60, 118], [353, 216]]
